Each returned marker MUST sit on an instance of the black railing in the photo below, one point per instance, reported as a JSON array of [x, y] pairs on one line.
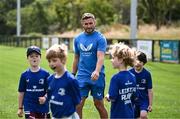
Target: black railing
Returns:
[[25, 41]]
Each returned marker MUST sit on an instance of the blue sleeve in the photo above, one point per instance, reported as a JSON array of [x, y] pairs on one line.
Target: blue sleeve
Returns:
[[76, 47], [50, 85], [47, 80], [22, 83], [113, 89], [135, 95], [74, 91], [149, 81], [102, 44]]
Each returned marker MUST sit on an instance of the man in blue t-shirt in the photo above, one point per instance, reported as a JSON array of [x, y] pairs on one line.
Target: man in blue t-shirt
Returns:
[[90, 48], [144, 86]]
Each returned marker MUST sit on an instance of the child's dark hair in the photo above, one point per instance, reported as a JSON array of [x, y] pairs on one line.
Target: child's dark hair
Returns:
[[142, 57]]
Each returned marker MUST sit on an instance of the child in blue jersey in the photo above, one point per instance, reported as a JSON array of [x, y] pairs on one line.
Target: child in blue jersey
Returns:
[[122, 90], [32, 85], [89, 51], [144, 86], [63, 91]]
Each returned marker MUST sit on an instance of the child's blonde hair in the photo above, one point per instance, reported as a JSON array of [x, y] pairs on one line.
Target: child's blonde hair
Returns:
[[122, 51], [57, 51]]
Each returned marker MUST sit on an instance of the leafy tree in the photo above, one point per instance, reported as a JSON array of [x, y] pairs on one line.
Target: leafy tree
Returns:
[[63, 13], [48, 16], [103, 10], [5, 7], [122, 10], [8, 15], [38, 19], [174, 13], [156, 11]]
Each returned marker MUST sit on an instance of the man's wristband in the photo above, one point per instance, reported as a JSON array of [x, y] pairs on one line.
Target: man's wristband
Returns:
[[74, 74], [20, 108]]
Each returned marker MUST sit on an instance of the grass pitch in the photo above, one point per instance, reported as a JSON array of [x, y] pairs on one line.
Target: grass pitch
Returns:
[[166, 85]]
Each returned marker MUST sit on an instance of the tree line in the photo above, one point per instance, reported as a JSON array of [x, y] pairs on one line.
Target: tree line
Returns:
[[50, 16]]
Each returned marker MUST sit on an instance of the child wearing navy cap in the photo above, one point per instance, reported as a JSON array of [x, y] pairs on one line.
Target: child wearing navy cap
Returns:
[[32, 85]]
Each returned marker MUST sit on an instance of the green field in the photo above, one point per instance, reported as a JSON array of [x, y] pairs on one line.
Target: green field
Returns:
[[166, 84]]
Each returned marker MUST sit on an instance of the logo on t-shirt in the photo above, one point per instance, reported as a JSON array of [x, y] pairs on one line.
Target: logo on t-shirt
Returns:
[[83, 48], [126, 94], [27, 80], [98, 94], [128, 83], [52, 97], [41, 81], [34, 87], [61, 91], [143, 81]]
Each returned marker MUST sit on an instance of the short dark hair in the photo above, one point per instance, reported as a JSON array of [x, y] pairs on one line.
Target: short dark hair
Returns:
[[87, 15], [142, 57]]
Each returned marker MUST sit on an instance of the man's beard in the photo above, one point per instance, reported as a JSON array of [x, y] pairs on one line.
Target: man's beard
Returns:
[[89, 30]]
